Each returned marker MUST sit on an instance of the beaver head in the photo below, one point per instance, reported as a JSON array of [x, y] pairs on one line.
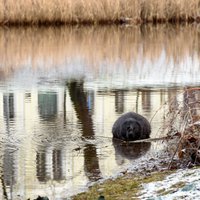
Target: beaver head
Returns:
[[131, 129]]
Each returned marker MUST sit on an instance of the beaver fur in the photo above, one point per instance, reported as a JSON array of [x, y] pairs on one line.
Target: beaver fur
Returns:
[[131, 126]]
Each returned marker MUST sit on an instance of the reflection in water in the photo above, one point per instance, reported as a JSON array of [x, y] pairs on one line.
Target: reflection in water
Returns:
[[8, 158], [62, 142], [5, 195], [141, 55], [79, 99], [57, 164], [61, 92], [8, 101], [119, 101], [41, 166], [47, 103], [130, 151], [146, 99], [91, 163]]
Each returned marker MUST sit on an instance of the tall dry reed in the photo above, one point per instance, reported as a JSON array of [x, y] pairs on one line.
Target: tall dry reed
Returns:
[[93, 11]]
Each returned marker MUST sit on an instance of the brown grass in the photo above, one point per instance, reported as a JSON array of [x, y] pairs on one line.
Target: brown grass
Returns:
[[182, 125], [93, 11]]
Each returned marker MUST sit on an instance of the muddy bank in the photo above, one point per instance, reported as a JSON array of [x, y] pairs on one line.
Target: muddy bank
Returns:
[[151, 181], [127, 184]]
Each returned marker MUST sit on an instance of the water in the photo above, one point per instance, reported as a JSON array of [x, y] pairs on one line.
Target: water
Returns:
[[61, 89]]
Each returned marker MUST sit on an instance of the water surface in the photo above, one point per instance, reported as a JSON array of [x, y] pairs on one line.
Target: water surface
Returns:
[[61, 89]]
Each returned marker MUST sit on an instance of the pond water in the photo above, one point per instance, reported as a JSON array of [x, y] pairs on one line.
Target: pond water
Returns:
[[61, 89]]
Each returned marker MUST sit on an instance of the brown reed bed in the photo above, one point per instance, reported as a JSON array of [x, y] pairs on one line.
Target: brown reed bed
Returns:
[[28, 12]]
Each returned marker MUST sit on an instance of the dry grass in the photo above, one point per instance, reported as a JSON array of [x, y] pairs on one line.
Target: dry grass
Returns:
[[182, 124], [93, 11]]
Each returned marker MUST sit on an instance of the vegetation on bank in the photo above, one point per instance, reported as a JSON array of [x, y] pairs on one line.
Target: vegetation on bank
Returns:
[[100, 12], [123, 188]]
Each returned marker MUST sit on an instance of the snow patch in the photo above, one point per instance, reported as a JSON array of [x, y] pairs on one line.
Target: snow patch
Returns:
[[184, 184]]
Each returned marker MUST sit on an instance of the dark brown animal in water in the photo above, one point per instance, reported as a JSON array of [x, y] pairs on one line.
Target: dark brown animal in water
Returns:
[[131, 126]]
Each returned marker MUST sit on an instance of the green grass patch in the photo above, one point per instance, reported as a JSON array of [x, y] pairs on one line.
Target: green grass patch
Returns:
[[122, 188]]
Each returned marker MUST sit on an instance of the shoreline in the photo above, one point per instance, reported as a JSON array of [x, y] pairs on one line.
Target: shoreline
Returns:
[[118, 22], [159, 181], [127, 184]]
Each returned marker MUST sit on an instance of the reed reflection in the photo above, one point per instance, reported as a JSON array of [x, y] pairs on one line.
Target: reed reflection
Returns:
[[64, 47], [79, 100]]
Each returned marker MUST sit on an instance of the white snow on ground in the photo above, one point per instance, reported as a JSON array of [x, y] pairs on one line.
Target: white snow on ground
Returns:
[[184, 184]]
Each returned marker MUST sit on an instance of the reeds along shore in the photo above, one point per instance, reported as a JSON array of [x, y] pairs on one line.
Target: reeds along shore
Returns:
[[97, 11]]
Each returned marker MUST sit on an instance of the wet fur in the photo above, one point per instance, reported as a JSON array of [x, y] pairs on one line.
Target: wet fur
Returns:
[[131, 126]]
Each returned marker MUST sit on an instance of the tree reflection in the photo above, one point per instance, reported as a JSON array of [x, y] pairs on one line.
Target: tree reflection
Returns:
[[79, 99], [3, 185], [91, 162]]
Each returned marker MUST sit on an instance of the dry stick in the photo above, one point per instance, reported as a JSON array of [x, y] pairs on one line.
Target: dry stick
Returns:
[[148, 140], [188, 114], [189, 89], [169, 102], [197, 150], [167, 125], [157, 111], [183, 127], [193, 120], [165, 103], [170, 163]]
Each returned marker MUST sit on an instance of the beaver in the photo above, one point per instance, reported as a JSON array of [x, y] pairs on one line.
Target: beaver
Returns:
[[131, 126]]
